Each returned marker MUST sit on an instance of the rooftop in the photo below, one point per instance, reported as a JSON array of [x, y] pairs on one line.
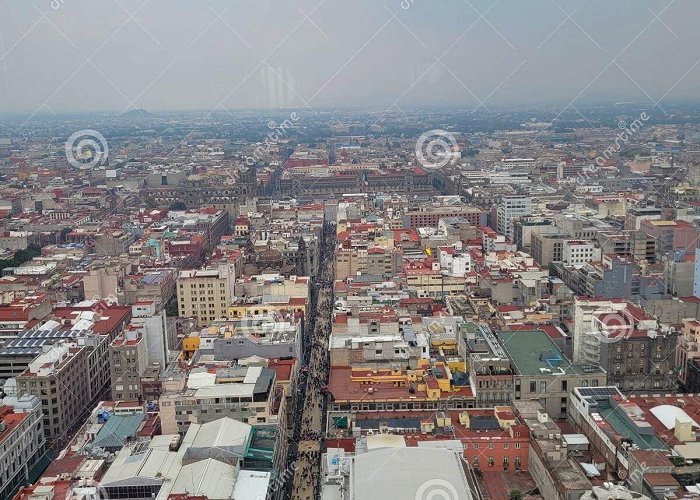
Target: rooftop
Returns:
[[533, 352], [406, 473]]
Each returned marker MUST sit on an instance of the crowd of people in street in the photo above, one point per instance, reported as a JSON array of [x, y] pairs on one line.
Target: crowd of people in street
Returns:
[[310, 402]]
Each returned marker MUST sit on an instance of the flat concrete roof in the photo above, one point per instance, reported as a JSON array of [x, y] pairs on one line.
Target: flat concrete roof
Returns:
[[533, 350]]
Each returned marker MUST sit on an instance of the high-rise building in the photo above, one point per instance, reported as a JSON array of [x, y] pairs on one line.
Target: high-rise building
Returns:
[[69, 377], [512, 207], [156, 328], [128, 360], [205, 294], [22, 443], [636, 351]]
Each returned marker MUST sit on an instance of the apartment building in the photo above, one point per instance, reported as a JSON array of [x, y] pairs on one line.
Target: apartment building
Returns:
[[205, 294], [510, 208], [637, 352], [246, 394], [157, 285], [672, 237], [490, 373], [541, 371], [634, 245], [68, 379], [687, 355], [158, 331], [376, 340], [579, 252], [583, 311], [269, 336], [128, 360], [612, 278], [22, 443], [98, 317], [556, 475], [212, 223], [434, 283], [548, 247], [526, 227], [377, 260], [430, 216]]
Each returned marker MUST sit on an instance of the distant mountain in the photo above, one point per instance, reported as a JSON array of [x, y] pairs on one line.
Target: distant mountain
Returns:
[[137, 113]]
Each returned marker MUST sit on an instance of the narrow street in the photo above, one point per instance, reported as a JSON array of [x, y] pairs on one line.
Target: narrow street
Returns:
[[308, 429]]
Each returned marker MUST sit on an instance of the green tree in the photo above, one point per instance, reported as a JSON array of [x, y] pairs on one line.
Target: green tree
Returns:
[[171, 307], [515, 494], [21, 256]]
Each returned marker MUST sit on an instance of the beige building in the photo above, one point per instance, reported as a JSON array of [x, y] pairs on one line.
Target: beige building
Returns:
[[102, 280], [688, 349], [18, 240], [541, 372], [128, 360], [205, 294], [348, 261], [557, 476], [69, 378], [547, 247], [433, 283], [246, 394]]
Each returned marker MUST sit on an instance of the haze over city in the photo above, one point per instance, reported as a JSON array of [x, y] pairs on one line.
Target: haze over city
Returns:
[[364, 250], [81, 55]]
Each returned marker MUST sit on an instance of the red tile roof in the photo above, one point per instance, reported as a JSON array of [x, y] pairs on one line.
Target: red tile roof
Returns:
[[283, 368]]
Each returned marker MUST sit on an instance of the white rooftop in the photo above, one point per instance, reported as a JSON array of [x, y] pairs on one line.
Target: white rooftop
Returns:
[[378, 441], [220, 433], [667, 415], [408, 473], [209, 478], [251, 485], [197, 380]]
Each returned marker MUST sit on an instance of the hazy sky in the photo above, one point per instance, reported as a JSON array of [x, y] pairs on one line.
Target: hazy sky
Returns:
[[83, 55]]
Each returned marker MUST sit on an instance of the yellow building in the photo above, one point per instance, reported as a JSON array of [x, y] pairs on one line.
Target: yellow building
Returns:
[[205, 294]]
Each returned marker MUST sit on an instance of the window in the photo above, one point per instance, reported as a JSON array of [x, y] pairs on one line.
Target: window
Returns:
[[491, 462], [533, 386], [543, 386]]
